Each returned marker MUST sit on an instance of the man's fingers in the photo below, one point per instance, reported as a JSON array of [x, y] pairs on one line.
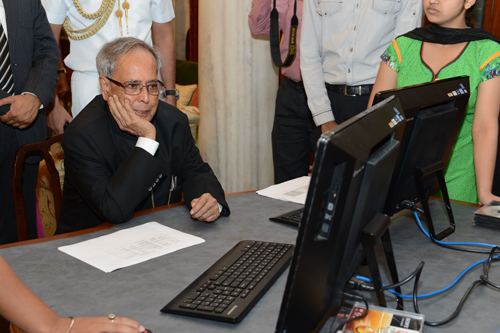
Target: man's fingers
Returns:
[[123, 113], [205, 208], [11, 119], [114, 107], [6, 100]]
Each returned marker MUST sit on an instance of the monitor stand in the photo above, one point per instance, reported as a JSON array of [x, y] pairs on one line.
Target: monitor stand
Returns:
[[421, 174], [378, 228]]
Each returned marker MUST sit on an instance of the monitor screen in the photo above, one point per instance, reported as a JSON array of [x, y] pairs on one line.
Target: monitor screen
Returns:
[[434, 113], [352, 168]]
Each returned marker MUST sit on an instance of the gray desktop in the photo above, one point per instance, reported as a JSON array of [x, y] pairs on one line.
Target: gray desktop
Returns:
[[73, 288]]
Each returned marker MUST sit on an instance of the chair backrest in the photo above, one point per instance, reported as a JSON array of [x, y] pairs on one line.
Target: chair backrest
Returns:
[[42, 149]]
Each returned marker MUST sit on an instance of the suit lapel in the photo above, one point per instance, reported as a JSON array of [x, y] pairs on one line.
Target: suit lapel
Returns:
[[11, 10]]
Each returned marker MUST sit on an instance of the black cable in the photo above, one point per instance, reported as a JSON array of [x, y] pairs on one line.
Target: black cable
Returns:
[[457, 310], [407, 279], [411, 206], [418, 271], [483, 280], [486, 268], [458, 248], [339, 327]]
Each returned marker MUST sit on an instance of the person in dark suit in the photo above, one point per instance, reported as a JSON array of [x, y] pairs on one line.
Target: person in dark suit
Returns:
[[30, 62], [127, 151]]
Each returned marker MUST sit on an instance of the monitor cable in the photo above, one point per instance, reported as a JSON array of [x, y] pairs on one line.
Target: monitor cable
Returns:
[[459, 246], [483, 280], [356, 297]]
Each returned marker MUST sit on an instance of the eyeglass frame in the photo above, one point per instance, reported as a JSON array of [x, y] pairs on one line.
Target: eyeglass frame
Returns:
[[162, 85]]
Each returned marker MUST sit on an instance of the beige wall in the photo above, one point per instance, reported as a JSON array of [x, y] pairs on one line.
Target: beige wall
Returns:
[[181, 26]]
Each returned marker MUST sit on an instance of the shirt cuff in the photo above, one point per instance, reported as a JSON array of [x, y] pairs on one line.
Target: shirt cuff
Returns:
[[220, 207], [27, 92], [323, 117], [151, 146]]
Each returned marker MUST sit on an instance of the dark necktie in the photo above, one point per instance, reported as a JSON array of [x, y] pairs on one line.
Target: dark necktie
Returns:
[[6, 78]]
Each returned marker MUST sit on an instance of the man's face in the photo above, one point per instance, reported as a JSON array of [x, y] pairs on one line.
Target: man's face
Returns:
[[137, 66]]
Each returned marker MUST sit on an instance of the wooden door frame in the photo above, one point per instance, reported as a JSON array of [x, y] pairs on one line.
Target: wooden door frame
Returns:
[[492, 10]]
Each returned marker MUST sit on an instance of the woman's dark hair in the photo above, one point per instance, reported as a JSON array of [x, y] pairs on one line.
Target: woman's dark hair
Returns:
[[469, 17]]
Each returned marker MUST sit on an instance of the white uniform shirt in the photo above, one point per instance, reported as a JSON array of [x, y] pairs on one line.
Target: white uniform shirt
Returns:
[[3, 19], [142, 13], [83, 52], [342, 41]]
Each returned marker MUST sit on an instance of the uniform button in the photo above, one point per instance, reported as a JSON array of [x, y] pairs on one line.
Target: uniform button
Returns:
[[160, 175], [351, 49], [149, 189]]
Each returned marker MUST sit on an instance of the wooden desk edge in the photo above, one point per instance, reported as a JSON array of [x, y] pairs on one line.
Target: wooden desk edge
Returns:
[[457, 201], [103, 226]]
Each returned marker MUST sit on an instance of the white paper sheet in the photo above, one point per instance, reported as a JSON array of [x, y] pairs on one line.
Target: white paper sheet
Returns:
[[130, 246], [294, 190]]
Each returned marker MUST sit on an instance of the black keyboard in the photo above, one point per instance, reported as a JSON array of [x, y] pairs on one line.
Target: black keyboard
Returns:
[[231, 287], [292, 218]]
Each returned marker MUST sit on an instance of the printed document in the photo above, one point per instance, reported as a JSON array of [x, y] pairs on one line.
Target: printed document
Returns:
[[130, 246], [294, 190]]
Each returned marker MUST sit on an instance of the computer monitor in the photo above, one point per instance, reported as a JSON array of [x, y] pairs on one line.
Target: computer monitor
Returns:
[[434, 113], [353, 165]]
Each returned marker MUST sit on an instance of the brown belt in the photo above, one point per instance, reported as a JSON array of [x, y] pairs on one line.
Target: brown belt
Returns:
[[350, 90]]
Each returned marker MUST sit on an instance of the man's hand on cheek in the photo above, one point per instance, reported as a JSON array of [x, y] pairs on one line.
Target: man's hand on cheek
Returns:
[[205, 208], [128, 120]]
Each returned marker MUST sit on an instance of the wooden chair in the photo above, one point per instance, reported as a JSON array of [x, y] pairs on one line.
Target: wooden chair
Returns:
[[42, 149]]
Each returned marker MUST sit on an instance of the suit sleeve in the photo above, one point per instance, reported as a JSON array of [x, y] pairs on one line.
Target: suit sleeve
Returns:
[[197, 177], [42, 78], [112, 196], [34, 54]]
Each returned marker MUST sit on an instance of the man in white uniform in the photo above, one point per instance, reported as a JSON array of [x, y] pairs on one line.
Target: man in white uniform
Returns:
[[143, 19]]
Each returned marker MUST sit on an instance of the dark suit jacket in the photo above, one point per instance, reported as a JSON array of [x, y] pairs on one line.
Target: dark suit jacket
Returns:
[[108, 178], [34, 57]]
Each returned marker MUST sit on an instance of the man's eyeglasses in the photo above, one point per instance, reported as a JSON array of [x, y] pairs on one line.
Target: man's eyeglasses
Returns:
[[135, 88]]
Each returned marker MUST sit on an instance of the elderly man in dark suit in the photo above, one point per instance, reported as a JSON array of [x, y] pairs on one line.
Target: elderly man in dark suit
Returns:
[[127, 151], [28, 67]]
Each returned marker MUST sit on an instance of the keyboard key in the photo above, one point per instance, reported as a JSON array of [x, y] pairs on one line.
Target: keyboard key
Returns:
[[205, 308]]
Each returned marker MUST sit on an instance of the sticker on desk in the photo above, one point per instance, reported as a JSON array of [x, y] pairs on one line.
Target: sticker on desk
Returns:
[[130, 246]]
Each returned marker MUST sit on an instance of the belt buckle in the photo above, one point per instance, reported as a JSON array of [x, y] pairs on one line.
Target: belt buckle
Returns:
[[352, 95]]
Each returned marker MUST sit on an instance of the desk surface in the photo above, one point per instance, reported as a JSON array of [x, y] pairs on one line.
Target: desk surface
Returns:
[[73, 288]]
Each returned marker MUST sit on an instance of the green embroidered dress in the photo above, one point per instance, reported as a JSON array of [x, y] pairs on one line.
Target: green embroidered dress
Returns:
[[480, 60]]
